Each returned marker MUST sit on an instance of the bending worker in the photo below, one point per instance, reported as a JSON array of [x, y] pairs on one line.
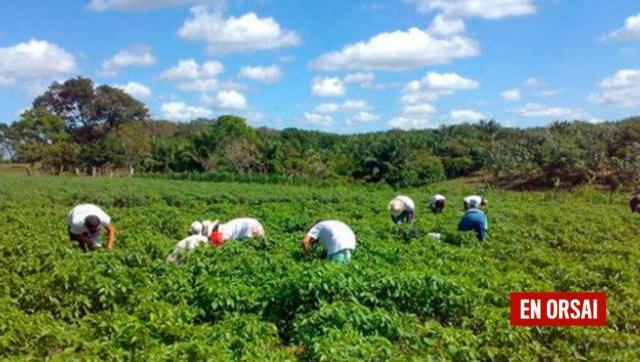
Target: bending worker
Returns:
[[86, 222], [474, 220], [236, 229], [336, 236], [474, 201], [214, 233], [437, 203], [634, 204], [402, 209]]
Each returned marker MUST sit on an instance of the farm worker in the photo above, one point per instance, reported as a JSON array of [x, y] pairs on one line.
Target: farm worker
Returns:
[[437, 203], [204, 227], [402, 209], [474, 220], [635, 203], [474, 201], [236, 229], [188, 244], [86, 222], [336, 236]]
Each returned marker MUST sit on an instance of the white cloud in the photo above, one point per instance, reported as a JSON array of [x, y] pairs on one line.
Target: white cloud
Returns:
[[135, 89], [363, 117], [548, 92], [397, 51], [410, 96], [621, 90], [630, 30], [34, 61], [327, 108], [242, 34], [441, 25], [191, 76], [465, 115], [416, 110], [354, 106], [328, 87], [140, 55], [559, 113], [430, 87], [189, 69], [533, 82], [346, 106], [264, 74], [200, 85], [179, 111], [414, 116], [511, 95], [488, 9], [448, 81], [403, 122], [231, 99], [127, 5], [316, 119], [360, 77]]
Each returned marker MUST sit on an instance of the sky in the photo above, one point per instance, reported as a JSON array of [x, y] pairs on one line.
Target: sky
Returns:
[[334, 65]]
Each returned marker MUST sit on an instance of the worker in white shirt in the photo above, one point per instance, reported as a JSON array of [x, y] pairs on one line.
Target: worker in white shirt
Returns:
[[214, 233], [437, 203], [187, 244], [86, 222], [474, 202], [236, 229], [402, 209], [337, 238]]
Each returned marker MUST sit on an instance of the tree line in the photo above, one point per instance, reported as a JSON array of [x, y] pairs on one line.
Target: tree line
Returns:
[[75, 126]]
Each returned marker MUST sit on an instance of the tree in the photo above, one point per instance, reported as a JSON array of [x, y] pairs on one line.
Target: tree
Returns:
[[88, 112], [220, 134], [130, 143], [5, 146], [36, 130]]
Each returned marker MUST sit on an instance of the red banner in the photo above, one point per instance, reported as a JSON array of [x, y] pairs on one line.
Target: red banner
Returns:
[[558, 309]]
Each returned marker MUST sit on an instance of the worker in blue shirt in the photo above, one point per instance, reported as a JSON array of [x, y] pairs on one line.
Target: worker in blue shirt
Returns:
[[474, 220]]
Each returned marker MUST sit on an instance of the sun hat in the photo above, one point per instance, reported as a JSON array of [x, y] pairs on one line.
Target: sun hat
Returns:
[[396, 207]]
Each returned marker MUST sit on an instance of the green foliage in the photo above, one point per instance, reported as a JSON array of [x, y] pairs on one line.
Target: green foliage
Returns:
[[105, 128], [401, 298]]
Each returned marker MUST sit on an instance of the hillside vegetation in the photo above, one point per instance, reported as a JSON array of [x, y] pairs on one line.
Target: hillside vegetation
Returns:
[[400, 299]]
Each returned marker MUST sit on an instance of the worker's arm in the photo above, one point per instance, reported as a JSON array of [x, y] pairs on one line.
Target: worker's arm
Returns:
[[111, 237], [306, 244]]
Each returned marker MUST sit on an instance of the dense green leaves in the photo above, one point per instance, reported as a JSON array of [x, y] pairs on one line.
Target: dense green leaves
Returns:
[[401, 298]]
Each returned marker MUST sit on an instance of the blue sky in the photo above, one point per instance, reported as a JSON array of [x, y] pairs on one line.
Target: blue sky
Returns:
[[342, 66]]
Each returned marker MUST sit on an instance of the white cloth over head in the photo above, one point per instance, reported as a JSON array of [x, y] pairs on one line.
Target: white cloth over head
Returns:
[[473, 201], [401, 204]]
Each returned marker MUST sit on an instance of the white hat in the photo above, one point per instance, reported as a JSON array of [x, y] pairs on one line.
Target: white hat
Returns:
[[396, 207], [196, 228]]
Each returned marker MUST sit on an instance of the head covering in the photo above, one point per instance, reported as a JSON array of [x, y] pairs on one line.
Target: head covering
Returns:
[[92, 223], [196, 228], [396, 207]]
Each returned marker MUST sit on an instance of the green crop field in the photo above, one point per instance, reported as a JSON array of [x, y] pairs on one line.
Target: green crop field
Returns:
[[400, 299]]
